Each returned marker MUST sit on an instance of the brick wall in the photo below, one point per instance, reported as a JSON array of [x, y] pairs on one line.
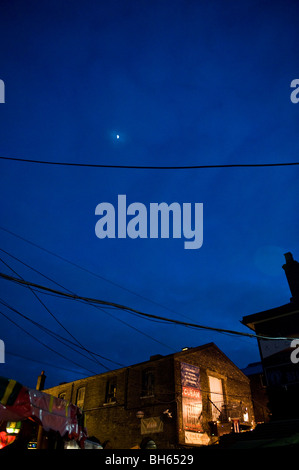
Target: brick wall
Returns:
[[117, 422], [236, 386]]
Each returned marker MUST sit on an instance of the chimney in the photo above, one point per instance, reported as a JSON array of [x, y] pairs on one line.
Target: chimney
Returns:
[[291, 268], [41, 381]]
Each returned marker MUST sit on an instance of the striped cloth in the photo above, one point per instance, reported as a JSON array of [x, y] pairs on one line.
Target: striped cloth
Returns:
[[9, 391]]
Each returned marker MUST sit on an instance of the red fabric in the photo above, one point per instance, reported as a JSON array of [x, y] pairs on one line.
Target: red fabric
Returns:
[[20, 408], [5, 439], [54, 414]]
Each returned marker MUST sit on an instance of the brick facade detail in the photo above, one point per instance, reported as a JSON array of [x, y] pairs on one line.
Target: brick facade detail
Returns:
[[111, 401]]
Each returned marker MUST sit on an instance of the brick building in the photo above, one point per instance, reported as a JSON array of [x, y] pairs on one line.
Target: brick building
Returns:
[[188, 398]]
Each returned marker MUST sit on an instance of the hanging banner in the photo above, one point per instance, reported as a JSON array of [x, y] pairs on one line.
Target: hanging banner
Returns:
[[18, 403], [151, 425], [191, 398]]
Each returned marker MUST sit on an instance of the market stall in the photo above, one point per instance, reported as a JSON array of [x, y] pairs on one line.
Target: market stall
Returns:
[[52, 414]]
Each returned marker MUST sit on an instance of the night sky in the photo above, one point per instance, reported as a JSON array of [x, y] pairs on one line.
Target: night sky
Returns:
[[181, 83]]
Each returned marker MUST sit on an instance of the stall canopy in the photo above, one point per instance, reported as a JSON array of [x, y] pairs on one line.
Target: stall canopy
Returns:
[[18, 403]]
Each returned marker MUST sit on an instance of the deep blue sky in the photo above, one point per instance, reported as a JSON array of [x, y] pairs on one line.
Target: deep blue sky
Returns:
[[182, 83]]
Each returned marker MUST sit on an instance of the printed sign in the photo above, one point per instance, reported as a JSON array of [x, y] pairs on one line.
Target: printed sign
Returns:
[[151, 425], [191, 398], [196, 438]]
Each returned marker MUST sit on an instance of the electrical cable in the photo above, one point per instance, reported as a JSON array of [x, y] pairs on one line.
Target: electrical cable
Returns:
[[100, 277], [45, 345], [147, 315], [139, 167], [96, 275], [90, 272], [96, 306], [56, 319], [44, 363], [55, 335]]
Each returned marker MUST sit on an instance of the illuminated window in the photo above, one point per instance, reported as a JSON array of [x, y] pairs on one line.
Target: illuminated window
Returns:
[[216, 397], [148, 383], [111, 391], [80, 397]]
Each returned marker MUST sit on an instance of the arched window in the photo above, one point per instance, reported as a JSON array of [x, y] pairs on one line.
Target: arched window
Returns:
[[62, 395]]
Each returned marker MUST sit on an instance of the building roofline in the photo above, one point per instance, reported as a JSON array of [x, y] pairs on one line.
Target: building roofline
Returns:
[[156, 359], [284, 310], [209, 345]]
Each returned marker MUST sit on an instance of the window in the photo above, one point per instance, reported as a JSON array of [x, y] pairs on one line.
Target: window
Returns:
[[148, 383], [111, 390], [80, 397], [216, 397]]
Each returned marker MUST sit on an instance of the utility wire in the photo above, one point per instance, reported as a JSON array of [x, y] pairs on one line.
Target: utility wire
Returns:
[[96, 306], [56, 319], [45, 345], [30, 359], [139, 167], [92, 305], [147, 315], [55, 335], [89, 272]]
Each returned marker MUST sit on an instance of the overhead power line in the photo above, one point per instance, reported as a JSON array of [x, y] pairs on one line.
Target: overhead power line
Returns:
[[88, 271], [58, 321], [148, 167], [134, 311], [92, 305], [30, 359], [55, 335], [44, 344]]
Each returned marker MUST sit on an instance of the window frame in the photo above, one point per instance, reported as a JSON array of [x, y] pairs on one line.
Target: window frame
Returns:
[[216, 406], [148, 383], [79, 400], [111, 391]]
